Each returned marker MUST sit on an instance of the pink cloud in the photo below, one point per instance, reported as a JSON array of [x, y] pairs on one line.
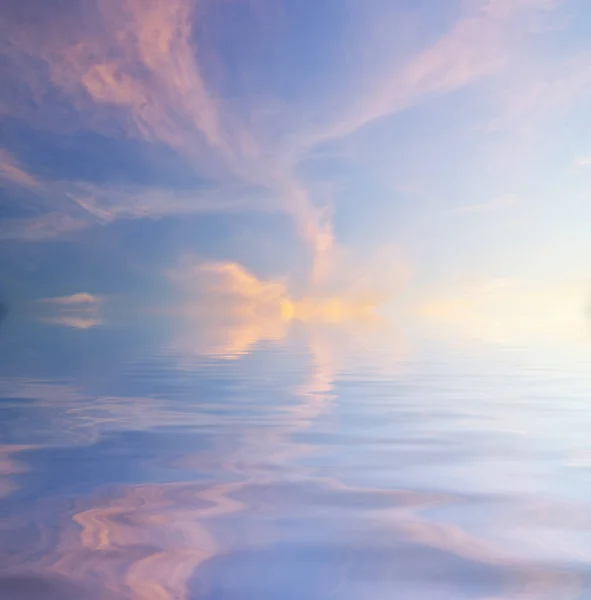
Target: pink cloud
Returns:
[[481, 43], [12, 172], [137, 68], [136, 65]]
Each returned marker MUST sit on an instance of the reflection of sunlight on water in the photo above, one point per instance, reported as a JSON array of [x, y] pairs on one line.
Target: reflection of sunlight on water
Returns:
[[81, 310]]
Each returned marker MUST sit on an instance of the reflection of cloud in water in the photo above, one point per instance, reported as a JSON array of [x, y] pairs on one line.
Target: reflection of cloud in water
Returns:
[[71, 416], [75, 321], [80, 311], [227, 310], [149, 539], [146, 541], [9, 465]]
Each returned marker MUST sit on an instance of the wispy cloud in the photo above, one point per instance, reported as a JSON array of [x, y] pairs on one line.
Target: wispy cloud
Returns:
[[68, 206], [501, 203], [44, 227], [170, 100], [138, 65], [479, 44], [134, 55], [150, 71], [12, 172], [141, 58]]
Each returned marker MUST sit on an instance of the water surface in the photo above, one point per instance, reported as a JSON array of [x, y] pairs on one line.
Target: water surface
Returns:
[[323, 465]]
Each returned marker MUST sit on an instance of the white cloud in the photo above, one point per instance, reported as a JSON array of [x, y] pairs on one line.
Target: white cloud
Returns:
[[583, 161]]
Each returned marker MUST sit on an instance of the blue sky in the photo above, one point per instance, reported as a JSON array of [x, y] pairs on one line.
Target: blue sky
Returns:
[[421, 154], [236, 237]]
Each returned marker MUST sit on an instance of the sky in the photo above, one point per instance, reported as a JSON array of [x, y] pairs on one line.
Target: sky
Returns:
[[282, 161], [220, 176]]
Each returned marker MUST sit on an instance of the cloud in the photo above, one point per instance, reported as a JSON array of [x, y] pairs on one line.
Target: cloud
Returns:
[[226, 310], [229, 288], [80, 311], [501, 203], [170, 101], [531, 92], [583, 161], [69, 206], [233, 310], [134, 55], [12, 172], [144, 61], [44, 227], [481, 43], [149, 70], [82, 298], [139, 65]]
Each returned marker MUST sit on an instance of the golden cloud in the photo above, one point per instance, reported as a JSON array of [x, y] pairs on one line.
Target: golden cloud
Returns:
[[233, 310]]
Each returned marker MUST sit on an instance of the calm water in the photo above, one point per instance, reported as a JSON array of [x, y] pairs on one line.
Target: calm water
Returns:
[[137, 463]]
